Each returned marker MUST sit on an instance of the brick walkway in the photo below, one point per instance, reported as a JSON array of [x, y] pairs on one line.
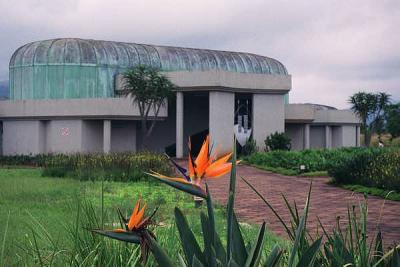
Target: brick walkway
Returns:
[[327, 202]]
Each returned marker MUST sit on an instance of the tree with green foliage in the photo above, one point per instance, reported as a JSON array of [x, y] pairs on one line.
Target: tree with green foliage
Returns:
[[392, 116], [149, 90], [278, 141], [370, 108]]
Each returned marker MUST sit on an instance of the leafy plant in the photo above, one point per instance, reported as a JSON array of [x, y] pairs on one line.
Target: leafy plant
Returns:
[[344, 247], [278, 141], [373, 167], [113, 166], [249, 148], [149, 90], [370, 108]]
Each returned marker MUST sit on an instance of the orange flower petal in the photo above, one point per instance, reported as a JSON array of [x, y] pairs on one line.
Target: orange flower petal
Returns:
[[135, 211], [218, 171], [137, 218], [202, 158], [176, 179], [190, 161], [221, 161], [119, 230]]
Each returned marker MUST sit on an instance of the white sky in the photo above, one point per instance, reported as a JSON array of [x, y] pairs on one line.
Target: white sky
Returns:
[[331, 48]]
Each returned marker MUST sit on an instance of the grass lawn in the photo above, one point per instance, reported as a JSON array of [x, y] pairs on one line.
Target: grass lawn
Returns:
[[34, 202], [373, 191], [288, 172]]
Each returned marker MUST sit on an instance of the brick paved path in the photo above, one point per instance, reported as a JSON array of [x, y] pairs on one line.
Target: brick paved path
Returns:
[[327, 201]]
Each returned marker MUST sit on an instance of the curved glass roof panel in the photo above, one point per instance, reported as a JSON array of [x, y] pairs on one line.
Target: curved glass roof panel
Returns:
[[71, 51]]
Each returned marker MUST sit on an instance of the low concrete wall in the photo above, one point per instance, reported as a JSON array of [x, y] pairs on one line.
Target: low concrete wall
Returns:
[[92, 136], [317, 137], [221, 112], [123, 136], [349, 135], [64, 136], [82, 108], [23, 137], [268, 116], [299, 113], [225, 81], [296, 134]]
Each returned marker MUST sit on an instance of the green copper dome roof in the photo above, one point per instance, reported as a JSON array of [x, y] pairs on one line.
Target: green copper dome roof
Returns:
[[167, 58], [79, 68]]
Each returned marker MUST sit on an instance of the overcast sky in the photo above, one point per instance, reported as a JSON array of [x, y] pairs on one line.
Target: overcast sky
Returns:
[[331, 48]]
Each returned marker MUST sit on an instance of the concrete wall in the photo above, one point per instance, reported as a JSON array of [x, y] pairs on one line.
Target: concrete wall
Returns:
[[22, 137], [221, 119], [349, 135], [225, 81], [123, 136], [296, 134], [337, 136], [268, 116], [92, 136], [64, 136], [80, 108], [317, 137]]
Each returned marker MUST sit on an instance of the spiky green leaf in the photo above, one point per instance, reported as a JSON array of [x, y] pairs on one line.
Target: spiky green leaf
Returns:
[[129, 237], [308, 257], [185, 187], [274, 257], [188, 240], [256, 248]]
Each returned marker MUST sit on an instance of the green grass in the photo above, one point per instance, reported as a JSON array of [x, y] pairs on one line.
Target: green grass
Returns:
[[288, 172], [33, 200], [278, 170], [373, 191], [314, 174]]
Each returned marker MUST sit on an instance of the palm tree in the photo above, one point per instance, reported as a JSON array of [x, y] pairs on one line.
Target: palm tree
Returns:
[[149, 90], [370, 109]]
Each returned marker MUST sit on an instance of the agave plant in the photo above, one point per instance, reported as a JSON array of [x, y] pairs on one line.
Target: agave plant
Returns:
[[344, 247], [236, 253]]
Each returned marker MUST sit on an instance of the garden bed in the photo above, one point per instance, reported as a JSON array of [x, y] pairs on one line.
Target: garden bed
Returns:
[[34, 202]]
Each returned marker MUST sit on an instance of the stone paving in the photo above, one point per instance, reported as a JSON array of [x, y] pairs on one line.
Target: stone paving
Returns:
[[327, 202]]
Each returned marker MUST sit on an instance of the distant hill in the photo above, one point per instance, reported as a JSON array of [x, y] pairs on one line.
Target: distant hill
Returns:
[[4, 93]]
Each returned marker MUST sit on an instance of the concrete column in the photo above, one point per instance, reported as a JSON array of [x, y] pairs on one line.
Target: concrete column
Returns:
[[268, 117], [222, 105], [179, 124], [358, 136], [328, 136], [106, 136], [306, 141]]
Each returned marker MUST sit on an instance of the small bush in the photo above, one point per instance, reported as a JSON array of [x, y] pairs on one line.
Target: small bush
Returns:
[[25, 160], [313, 160], [278, 141], [249, 148], [371, 167], [121, 167]]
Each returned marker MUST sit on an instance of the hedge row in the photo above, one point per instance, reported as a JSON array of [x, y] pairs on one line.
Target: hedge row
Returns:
[[115, 166], [373, 167], [313, 160]]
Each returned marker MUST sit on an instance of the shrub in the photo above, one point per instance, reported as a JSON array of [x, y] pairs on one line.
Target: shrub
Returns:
[[278, 141], [313, 160], [249, 148], [26, 160], [371, 167], [114, 166]]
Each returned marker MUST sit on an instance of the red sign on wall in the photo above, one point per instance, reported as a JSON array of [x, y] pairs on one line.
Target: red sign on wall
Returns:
[[64, 131]]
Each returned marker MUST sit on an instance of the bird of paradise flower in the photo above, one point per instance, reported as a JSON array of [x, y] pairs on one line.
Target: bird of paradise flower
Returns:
[[135, 229], [205, 166]]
